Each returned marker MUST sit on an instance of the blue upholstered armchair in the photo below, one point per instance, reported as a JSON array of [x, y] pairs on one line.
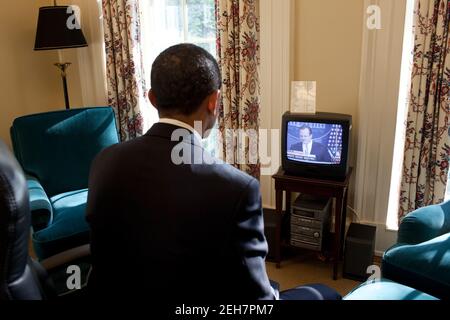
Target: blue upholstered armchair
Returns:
[[421, 257], [56, 150]]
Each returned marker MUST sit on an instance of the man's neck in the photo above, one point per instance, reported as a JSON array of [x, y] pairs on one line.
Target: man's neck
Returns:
[[183, 122], [188, 120]]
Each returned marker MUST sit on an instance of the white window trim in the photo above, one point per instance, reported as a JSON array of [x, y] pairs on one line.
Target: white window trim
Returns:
[[378, 106], [405, 80], [276, 73]]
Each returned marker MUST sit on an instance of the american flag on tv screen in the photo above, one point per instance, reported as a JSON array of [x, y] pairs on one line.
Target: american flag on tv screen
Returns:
[[335, 140]]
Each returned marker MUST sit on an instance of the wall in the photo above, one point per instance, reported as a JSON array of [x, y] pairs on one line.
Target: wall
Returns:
[[29, 82], [357, 72], [301, 40], [328, 39], [322, 41]]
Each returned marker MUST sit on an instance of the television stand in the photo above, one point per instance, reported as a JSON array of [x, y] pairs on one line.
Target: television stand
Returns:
[[315, 187]]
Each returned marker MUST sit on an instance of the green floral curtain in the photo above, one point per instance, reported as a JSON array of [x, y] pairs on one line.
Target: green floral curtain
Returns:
[[427, 148], [238, 54]]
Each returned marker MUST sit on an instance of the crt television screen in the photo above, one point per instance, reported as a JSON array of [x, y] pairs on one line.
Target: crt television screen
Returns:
[[316, 143]]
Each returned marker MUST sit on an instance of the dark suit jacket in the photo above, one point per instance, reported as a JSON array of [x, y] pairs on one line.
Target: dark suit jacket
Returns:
[[174, 231], [317, 149]]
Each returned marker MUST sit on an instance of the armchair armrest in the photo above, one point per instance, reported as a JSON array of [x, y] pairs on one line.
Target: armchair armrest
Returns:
[[53, 266], [66, 257], [40, 205], [425, 224]]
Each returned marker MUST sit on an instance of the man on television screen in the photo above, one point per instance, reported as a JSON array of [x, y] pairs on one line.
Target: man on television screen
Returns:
[[315, 150]]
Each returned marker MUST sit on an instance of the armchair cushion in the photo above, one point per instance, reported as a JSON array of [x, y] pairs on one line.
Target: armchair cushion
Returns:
[[314, 291], [386, 290], [69, 228], [424, 224], [58, 147], [424, 266], [421, 257]]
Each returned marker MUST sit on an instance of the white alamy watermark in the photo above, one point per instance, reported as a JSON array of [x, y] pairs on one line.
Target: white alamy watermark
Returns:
[[232, 146], [374, 19], [74, 20], [73, 282], [375, 273]]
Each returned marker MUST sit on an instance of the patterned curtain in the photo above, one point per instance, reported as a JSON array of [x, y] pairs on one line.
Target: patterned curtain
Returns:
[[427, 147], [125, 75], [238, 54]]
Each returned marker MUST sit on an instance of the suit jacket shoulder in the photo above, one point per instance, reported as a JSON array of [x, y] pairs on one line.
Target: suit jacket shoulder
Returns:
[[194, 227]]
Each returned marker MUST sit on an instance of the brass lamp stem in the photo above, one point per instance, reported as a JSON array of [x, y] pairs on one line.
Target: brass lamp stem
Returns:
[[63, 67]]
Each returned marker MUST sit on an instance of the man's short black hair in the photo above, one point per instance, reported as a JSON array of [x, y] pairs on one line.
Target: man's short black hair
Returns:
[[304, 127], [182, 77]]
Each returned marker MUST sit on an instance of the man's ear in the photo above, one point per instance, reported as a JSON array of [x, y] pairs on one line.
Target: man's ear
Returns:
[[213, 102], [152, 97]]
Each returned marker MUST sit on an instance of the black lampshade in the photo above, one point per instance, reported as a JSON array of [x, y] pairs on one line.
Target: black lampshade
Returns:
[[53, 31]]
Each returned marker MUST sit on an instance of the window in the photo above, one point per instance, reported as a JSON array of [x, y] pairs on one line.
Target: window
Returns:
[[402, 113], [168, 22]]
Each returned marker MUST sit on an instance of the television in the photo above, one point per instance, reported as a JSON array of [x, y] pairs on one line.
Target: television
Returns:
[[316, 145]]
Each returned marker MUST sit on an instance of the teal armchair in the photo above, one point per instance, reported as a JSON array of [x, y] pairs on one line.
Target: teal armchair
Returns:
[[385, 289], [421, 257], [55, 150], [417, 267]]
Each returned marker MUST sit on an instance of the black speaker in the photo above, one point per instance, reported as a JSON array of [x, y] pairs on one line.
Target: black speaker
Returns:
[[359, 250], [270, 225]]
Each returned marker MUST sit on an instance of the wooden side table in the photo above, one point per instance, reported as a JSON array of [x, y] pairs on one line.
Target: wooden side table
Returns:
[[317, 187]]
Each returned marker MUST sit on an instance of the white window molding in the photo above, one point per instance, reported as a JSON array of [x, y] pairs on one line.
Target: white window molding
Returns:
[[402, 114], [276, 73], [378, 105], [91, 59]]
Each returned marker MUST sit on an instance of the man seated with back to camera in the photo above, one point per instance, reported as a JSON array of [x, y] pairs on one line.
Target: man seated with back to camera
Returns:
[[176, 231]]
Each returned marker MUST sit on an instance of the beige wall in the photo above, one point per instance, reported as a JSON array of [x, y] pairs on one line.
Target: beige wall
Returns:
[[327, 49], [328, 40], [29, 82]]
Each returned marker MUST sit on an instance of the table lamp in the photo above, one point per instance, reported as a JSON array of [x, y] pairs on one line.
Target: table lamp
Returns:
[[56, 30]]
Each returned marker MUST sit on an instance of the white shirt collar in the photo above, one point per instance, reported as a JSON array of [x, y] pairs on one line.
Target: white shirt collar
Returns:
[[308, 147], [181, 124]]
